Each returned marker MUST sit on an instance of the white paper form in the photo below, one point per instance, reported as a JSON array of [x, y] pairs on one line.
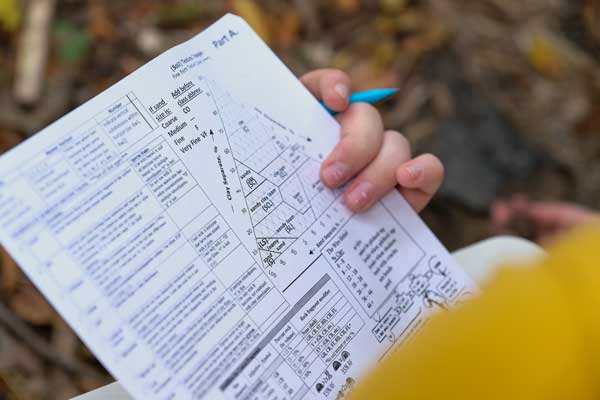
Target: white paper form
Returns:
[[177, 222]]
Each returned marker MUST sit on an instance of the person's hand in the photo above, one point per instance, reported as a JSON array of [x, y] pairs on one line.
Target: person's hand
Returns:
[[378, 160], [539, 220]]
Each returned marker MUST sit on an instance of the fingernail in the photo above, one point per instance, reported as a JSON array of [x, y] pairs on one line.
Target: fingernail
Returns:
[[336, 173], [415, 171], [360, 196], [342, 90]]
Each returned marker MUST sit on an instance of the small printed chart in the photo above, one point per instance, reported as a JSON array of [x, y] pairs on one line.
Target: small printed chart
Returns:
[[282, 190]]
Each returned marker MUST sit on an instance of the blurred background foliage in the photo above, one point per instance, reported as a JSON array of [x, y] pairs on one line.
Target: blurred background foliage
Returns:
[[506, 92]]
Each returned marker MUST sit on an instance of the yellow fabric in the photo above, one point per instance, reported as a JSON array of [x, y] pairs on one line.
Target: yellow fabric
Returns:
[[534, 333]]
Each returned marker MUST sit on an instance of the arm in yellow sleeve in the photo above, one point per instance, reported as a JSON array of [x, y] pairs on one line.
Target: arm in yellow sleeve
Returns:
[[534, 333]]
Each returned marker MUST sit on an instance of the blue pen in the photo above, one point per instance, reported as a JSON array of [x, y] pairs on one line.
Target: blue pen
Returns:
[[368, 96]]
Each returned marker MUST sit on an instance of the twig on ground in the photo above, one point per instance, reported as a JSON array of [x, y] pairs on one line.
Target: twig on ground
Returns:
[[32, 53], [310, 17], [24, 333]]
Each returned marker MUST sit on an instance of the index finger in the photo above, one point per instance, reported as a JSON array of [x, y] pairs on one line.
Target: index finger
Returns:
[[332, 86]]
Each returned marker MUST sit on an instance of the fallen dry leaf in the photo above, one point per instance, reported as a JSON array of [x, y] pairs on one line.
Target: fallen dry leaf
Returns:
[[64, 339], [347, 7], [88, 383], [412, 21], [385, 54], [101, 25], [393, 6], [544, 57], [288, 30], [64, 386], [254, 16], [435, 36], [10, 273], [16, 355], [385, 25], [9, 139], [31, 306], [367, 76], [591, 19]]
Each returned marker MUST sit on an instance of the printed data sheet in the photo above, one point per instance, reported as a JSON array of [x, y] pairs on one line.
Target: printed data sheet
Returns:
[[177, 222]]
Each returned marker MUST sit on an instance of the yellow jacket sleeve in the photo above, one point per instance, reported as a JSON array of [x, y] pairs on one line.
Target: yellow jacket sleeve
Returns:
[[534, 333]]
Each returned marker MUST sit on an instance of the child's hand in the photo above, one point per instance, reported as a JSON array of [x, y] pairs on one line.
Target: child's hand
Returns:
[[541, 221], [378, 159]]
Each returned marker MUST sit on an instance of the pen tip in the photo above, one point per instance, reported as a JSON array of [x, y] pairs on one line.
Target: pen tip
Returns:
[[389, 91]]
